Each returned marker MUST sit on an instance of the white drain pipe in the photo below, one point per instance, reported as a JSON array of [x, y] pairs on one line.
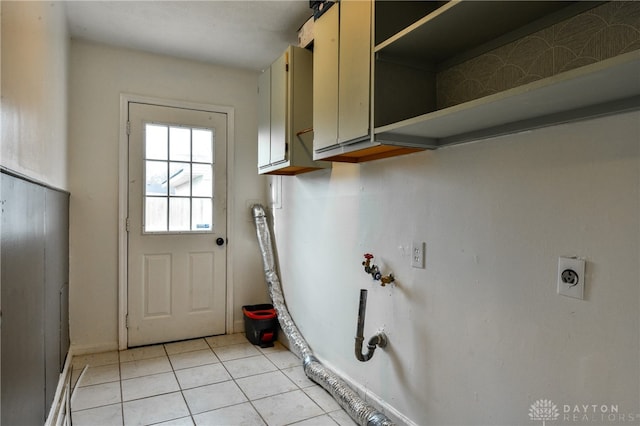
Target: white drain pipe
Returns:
[[359, 410]]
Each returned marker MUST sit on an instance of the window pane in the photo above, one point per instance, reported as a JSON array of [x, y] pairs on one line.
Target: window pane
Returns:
[[156, 140], [179, 144], [180, 179], [155, 214], [156, 177], [202, 180], [202, 145], [202, 214], [179, 214]]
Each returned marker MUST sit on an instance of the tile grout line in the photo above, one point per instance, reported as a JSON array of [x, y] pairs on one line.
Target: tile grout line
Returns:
[[297, 386], [236, 383], [121, 392], [173, 370]]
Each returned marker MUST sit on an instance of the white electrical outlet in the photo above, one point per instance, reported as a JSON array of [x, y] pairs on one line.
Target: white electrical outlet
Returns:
[[417, 254], [571, 277]]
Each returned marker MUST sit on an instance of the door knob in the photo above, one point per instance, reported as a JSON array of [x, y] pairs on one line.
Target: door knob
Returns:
[[220, 241]]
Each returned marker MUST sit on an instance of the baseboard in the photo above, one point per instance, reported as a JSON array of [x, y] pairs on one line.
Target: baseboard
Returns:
[[60, 412], [94, 348], [238, 326], [370, 397]]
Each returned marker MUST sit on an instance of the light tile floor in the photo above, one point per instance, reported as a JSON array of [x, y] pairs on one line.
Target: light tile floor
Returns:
[[219, 380]]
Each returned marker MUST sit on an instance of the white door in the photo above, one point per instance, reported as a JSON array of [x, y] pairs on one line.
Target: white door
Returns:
[[177, 224]]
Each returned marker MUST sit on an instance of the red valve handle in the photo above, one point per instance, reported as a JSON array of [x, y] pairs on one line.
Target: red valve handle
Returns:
[[368, 256]]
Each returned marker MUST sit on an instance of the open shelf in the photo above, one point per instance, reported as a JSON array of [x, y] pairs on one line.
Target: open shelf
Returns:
[[460, 26], [474, 69], [606, 87]]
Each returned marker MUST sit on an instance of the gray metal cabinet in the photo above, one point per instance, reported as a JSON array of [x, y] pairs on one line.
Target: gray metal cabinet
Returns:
[[56, 289], [34, 271]]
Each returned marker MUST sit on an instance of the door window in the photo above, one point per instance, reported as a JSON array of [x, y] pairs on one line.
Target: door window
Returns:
[[178, 170]]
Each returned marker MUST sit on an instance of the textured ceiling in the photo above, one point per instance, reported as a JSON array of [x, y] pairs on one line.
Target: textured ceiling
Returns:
[[242, 33]]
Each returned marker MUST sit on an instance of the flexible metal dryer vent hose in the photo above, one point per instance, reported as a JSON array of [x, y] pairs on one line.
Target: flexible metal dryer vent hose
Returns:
[[359, 410]]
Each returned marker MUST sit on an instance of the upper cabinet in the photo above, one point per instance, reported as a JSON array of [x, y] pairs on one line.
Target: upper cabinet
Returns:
[[441, 73], [342, 85], [285, 117]]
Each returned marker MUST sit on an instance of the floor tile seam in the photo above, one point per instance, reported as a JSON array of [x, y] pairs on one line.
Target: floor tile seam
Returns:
[[95, 384], [93, 408], [219, 408], [250, 402], [283, 393], [317, 403], [87, 355], [188, 351], [251, 356], [183, 341], [170, 420], [184, 399], [240, 357], [163, 421], [80, 366], [121, 393], [250, 375], [220, 346], [258, 412], [194, 366], [309, 418], [146, 375], [75, 410], [153, 396], [145, 359], [204, 385], [268, 396]]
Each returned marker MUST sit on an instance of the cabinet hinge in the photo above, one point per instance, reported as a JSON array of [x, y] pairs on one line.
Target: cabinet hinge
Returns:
[[286, 62], [126, 321], [128, 128], [127, 223]]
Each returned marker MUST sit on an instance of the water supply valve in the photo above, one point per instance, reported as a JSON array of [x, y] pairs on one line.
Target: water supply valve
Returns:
[[374, 271]]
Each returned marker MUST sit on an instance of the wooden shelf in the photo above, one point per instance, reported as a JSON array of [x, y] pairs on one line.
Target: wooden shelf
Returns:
[[364, 151]]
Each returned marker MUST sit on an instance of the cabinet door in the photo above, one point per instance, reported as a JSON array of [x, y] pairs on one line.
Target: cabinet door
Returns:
[[279, 96], [22, 276], [264, 118], [325, 79], [354, 72]]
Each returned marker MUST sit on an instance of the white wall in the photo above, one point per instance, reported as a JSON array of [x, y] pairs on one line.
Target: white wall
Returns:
[[35, 47], [480, 334], [98, 75]]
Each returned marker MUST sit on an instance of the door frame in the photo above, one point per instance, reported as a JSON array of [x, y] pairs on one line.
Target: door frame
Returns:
[[123, 202]]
